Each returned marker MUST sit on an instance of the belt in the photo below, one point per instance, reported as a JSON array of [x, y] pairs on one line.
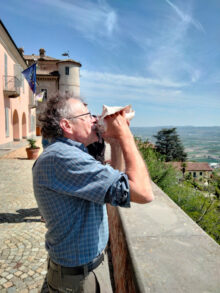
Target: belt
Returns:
[[80, 270]]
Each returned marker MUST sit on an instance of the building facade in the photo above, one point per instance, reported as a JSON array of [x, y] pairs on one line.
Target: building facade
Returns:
[[54, 74], [197, 170], [17, 109]]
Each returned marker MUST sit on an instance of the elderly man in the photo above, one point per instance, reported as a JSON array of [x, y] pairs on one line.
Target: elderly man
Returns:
[[72, 189]]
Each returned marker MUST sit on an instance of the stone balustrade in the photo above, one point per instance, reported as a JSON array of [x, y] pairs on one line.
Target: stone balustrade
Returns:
[[157, 248]]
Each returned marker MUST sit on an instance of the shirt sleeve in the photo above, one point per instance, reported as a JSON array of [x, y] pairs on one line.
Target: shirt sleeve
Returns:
[[76, 173], [118, 194]]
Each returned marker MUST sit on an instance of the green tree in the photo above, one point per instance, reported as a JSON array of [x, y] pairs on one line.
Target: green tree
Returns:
[[201, 206], [162, 174], [168, 144]]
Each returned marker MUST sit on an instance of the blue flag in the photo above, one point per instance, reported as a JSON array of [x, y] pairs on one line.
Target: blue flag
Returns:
[[30, 75]]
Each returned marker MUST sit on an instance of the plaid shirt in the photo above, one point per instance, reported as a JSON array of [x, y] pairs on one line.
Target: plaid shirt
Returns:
[[71, 189]]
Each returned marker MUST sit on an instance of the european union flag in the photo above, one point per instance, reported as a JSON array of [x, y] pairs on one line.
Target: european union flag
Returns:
[[30, 75]]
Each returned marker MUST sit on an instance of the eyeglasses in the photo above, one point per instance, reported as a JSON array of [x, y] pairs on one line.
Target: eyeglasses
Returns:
[[90, 115]]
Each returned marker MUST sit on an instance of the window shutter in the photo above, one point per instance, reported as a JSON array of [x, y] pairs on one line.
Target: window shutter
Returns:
[[6, 71], [17, 74], [6, 122]]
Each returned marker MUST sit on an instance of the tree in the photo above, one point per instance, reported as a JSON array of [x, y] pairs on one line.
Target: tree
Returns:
[[168, 144], [203, 209]]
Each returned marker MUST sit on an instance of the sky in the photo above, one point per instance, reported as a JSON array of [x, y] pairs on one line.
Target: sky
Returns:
[[160, 56]]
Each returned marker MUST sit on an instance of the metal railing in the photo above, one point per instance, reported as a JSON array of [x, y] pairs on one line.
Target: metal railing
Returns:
[[11, 84]]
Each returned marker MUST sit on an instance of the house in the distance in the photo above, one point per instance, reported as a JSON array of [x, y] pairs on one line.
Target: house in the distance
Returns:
[[196, 169]]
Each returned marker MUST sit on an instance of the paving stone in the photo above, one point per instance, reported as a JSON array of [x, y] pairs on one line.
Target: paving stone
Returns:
[[18, 273], [2, 281], [8, 284], [31, 273], [39, 270], [32, 285], [33, 291], [23, 276], [9, 277], [12, 289], [22, 242], [27, 280]]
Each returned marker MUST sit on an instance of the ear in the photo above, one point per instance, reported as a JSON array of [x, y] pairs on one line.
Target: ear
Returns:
[[65, 125]]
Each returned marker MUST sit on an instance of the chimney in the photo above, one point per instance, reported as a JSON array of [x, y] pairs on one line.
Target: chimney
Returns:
[[21, 51], [42, 53]]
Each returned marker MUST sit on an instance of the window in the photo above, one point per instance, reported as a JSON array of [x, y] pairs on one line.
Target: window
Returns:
[[194, 174], [45, 93], [200, 173], [67, 70], [7, 122]]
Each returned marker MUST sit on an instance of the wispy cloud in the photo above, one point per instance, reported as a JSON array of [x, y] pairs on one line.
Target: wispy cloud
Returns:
[[186, 17], [123, 88], [114, 89], [130, 81], [91, 18], [169, 56]]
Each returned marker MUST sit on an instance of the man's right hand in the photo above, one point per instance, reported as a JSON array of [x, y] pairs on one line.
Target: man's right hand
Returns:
[[135, 168], [117, 127]]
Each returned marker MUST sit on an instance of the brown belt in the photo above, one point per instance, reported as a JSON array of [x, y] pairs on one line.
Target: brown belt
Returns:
[[80, 270]]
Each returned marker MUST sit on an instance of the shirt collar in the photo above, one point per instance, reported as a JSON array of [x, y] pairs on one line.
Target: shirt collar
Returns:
[[72, 142]]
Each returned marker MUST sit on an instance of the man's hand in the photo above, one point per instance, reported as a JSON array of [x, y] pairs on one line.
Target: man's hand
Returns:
[[117, 127], [139, 180]]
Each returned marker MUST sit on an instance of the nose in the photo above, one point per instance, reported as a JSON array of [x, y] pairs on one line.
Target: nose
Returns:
[[94, 119]]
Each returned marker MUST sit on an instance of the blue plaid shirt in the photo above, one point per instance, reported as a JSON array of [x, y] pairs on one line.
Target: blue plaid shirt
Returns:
[[71, 189]]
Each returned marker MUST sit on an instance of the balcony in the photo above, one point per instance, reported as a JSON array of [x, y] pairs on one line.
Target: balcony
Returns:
[[11, 86]]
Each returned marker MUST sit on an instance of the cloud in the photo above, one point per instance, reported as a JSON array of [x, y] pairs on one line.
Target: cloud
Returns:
[[122, 89], [169, 56], [92, 19], [116, 89], [111, 21], [186, 17], [130, 81]]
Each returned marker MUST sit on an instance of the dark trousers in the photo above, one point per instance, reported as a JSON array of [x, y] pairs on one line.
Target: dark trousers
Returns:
[[96, 281]]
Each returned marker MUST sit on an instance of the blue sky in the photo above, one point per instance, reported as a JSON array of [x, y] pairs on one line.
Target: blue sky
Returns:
[[160, 56]]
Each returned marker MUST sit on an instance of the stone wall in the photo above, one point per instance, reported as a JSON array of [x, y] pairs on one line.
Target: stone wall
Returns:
[[157, 248], [123, 273]]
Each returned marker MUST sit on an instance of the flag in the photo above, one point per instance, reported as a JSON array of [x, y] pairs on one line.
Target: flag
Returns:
[[39, 97], [30, 75]]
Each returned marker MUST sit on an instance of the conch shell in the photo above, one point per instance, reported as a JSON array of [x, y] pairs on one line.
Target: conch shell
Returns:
[[108, 110]]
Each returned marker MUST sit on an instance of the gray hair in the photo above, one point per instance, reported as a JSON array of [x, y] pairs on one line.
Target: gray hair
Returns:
[[55, 109]]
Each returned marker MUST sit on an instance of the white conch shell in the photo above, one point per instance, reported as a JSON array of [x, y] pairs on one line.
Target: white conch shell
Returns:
[[108, 110]]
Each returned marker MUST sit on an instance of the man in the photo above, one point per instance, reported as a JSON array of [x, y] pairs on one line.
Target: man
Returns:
[[72, 188]]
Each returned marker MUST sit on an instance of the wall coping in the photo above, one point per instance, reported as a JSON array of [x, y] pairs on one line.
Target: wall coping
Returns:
[[169, 252]]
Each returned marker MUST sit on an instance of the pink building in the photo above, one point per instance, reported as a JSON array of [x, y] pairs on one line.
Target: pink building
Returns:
[[17, 109]]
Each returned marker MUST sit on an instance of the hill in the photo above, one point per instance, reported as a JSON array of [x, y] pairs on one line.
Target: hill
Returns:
[[202, 144]]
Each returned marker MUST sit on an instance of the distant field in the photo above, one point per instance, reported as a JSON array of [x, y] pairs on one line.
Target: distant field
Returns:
[[202, 144]]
